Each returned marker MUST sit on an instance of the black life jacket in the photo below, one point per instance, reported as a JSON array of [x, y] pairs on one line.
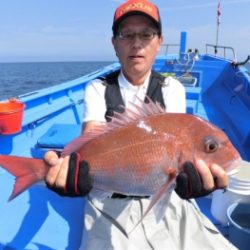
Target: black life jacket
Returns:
[[113, 97]]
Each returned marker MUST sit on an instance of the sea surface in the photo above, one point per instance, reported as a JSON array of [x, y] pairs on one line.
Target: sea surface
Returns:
[[21, 78]]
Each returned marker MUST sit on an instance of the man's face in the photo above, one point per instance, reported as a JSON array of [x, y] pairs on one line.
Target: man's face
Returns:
[[135, 52]]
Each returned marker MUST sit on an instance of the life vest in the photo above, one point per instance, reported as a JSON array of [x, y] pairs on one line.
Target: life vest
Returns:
[[113, 97]]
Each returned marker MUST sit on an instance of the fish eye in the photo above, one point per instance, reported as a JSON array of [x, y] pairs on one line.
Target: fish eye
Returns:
[[210, 145]]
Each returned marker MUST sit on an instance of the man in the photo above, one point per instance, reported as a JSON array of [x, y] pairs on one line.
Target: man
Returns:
[[137, 37]]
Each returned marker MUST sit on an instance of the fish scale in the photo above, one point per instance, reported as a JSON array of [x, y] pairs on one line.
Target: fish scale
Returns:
[[137, 159]]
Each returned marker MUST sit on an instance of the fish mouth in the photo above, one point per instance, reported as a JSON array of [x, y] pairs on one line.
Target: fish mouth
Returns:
[[238, 166], [234, 166]]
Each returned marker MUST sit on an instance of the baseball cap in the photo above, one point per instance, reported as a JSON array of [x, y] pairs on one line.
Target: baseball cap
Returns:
[[133, 7]]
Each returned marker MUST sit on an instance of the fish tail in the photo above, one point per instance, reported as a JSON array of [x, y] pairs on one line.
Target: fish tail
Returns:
[[26, 170]]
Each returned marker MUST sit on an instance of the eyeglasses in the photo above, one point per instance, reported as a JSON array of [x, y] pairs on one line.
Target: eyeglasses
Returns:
[[145, 35]]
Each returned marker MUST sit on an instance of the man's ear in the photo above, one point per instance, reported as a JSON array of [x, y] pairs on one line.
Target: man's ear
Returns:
[[160, 43], [113, 40], [115, 45]]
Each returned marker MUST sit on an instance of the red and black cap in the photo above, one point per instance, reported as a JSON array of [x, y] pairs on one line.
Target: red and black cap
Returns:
[[137, 7]]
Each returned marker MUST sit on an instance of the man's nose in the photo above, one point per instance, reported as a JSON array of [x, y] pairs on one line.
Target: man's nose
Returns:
[[137, 41]]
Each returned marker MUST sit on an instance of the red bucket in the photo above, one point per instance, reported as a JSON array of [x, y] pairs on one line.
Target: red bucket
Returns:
[[11, 117]]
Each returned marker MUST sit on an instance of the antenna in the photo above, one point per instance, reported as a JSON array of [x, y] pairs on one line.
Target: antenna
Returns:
[[217, 29]]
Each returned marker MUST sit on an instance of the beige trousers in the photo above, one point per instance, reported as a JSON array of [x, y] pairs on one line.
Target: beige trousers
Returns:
[[183, 227]]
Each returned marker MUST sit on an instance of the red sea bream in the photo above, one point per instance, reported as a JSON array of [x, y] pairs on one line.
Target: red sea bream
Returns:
[[140, 152]]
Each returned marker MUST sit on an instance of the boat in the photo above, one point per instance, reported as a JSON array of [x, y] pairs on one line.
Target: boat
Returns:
[[217, 89]]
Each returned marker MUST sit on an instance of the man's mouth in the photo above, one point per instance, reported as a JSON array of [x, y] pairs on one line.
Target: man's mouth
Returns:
[[134, 57]]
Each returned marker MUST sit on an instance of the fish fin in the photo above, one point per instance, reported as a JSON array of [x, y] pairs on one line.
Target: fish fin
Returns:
[[77, 143], [26, 170], [161, 199], [131, 114], [148, 107], [160, 208]]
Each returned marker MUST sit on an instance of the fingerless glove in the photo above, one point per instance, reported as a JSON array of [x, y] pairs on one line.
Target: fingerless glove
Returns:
[[189, 183], [79, 182]]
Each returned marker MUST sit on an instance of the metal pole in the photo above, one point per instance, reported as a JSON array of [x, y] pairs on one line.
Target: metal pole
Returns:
[[217, 28], [217, 38]]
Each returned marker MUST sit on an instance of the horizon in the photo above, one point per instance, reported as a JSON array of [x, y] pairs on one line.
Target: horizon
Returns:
[[63, 31]]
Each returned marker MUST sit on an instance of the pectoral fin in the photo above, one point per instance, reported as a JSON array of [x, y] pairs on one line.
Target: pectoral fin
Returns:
[[160, 199]]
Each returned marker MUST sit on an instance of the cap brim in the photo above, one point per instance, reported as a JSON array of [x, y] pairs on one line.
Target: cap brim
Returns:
[[132, 13]]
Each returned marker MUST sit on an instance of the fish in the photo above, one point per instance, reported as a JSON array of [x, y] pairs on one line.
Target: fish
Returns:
[[139, 152]]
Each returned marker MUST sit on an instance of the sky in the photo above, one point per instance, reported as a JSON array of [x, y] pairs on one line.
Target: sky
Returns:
[[80, 30]]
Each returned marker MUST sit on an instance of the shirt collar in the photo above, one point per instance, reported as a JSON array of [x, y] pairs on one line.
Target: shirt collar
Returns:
[[124, 83]]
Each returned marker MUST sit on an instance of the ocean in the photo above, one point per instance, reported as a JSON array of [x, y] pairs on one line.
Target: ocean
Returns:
[[20, 78]]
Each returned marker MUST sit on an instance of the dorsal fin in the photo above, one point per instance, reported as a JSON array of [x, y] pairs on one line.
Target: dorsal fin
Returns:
[[131, 114], [77, 143]]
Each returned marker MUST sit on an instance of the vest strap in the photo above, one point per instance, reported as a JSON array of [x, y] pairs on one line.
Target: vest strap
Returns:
[[113, 97]]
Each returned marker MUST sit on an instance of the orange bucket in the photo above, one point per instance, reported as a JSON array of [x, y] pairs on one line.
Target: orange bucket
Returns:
[[11, 116]]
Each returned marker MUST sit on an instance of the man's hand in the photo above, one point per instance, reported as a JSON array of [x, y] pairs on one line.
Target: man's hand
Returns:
[[200, 180], [68, 176]]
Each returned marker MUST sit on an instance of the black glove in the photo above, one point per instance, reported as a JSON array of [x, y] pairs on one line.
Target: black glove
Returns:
[[189, 183], [79, 182]]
